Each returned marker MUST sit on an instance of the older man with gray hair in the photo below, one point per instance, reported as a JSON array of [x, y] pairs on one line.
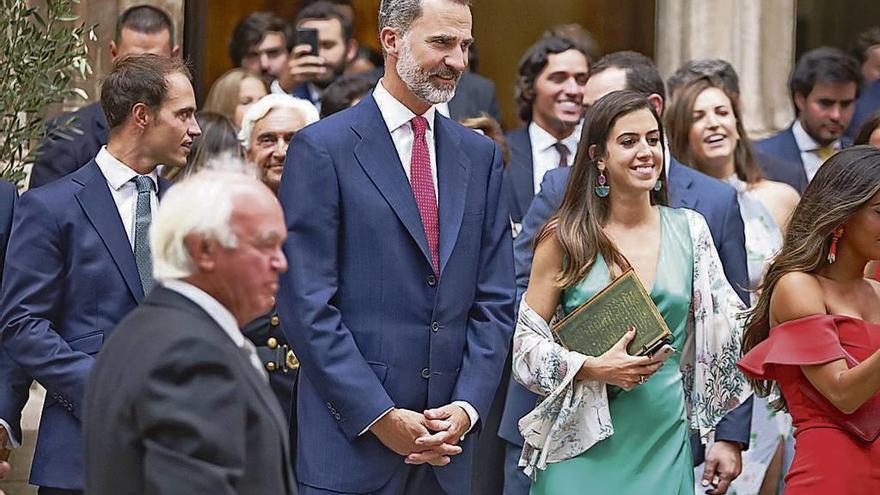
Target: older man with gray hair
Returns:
[[266, 130], [178, 402]]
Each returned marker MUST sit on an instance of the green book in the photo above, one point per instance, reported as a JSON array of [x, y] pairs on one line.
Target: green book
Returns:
[[598, 324]]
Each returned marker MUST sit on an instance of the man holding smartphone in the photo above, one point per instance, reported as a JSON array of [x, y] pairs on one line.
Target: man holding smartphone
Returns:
[[324, 47]]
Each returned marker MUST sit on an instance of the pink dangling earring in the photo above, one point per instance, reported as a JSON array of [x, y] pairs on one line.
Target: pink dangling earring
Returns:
[[835, 237]]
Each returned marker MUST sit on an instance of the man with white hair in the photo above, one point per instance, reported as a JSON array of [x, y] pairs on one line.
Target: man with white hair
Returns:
[[178, 402], [266, 130]]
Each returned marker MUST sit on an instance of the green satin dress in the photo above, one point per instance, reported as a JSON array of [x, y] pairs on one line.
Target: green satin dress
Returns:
[[649, 452]]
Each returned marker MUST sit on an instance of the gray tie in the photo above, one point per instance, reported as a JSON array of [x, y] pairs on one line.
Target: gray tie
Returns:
[[142, 217]]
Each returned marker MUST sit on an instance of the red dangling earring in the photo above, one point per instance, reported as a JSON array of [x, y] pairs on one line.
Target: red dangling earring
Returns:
[[835, 237]]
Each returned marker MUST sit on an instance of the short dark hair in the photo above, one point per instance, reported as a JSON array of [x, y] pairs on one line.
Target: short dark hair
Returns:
[[533, 61], [719, 71], [137, 79], [145, 19], [863, 42], [642, 75], [325, 11], [580, 36], [252, 29], [344, 91], [823, 65]]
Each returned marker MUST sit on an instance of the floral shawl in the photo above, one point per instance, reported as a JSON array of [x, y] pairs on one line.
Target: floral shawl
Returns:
[[574, 415]]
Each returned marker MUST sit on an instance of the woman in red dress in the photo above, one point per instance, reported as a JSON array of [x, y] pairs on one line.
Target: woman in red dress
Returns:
[[814, 334]]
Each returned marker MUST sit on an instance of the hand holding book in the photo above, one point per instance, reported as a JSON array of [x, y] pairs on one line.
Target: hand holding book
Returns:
[[617, 367]]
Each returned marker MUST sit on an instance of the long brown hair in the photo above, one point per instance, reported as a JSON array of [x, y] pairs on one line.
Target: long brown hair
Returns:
[[578, 223], [843, 184], [680, 117]]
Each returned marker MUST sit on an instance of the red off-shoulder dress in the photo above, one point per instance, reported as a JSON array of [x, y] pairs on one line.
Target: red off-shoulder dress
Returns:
[[835, 453]]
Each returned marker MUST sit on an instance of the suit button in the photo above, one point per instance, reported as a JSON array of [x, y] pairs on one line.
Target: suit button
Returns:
[[272, 343], [431, 280], [435, 327], [270, 366], [426, 373], [275, 320]]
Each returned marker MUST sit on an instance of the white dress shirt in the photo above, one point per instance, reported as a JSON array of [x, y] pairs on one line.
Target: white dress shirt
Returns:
[[397, 117], [221, 316], [545, 156], [119, 178], [808, 146]]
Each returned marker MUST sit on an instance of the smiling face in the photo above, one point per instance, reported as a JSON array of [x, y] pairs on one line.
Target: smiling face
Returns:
[[826, 112], [633, 159], [433, 54], [169, 135], [713, 136], [559, 92], [270, 138]]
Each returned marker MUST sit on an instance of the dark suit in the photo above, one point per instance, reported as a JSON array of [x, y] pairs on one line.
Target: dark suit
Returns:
[[474, 94], [519, 173], [281, 376], [57, 156], [175, 407], [687, 189], [783, 147], [867, 105], [377, 328], [70, 277], [14, 383]]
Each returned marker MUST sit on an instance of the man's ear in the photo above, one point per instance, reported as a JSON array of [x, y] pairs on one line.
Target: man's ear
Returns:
[[352, 51], [114, 51], [390, 40], [202, 251], [141, 115], [656, 102], [800, 101]]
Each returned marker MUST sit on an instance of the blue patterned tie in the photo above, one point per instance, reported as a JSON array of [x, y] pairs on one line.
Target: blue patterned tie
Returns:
[[142, 217]]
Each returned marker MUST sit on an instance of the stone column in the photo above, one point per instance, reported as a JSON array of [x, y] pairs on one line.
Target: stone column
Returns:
[[756, 36]]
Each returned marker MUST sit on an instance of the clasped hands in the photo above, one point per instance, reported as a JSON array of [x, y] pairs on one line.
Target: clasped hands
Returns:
[[430, 437]]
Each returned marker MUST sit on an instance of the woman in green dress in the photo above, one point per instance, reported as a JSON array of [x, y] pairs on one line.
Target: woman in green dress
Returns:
[[579, 440]]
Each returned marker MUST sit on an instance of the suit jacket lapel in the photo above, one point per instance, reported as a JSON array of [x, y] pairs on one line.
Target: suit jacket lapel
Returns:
[[453, 169], [99, 207], [680, 194], [795, 152], [378, 157]]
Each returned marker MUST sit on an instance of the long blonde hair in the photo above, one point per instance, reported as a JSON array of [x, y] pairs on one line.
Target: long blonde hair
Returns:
[[223, 96]]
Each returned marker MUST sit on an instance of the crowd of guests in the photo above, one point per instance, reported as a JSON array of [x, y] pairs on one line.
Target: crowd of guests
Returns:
[[340, 275]]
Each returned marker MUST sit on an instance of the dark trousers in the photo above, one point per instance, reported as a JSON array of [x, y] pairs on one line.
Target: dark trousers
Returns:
[[515, 481], [415, 480]]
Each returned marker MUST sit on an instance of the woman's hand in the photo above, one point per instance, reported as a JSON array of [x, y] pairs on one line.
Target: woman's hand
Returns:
[[617, 367]]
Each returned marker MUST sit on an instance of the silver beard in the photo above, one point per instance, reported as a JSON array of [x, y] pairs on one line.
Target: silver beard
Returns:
[[418, 80]]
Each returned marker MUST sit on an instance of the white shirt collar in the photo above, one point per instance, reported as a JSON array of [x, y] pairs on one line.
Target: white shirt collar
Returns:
[[543, 140], [806, 142], [117, 173], [396, 113], [215, 310]]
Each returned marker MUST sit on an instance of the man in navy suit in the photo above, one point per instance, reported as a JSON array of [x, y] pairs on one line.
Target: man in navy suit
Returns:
[[14, 384], [824, 85], [549, 94], [78, 258], [688, 189], [139, 29], [401, 272]]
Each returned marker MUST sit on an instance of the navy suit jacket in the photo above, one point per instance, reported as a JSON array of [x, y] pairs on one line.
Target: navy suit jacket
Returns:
[[378, 328], [788, 166], [14, 383], [57, 156], [519, 174], [867, 105], [70, 277], [687, 189]]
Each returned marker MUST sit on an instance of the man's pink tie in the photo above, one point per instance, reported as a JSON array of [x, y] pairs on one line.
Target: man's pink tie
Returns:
[[422, 182]]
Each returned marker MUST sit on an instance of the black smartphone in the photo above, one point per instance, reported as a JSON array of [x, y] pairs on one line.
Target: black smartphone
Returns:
[[308, 36]]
